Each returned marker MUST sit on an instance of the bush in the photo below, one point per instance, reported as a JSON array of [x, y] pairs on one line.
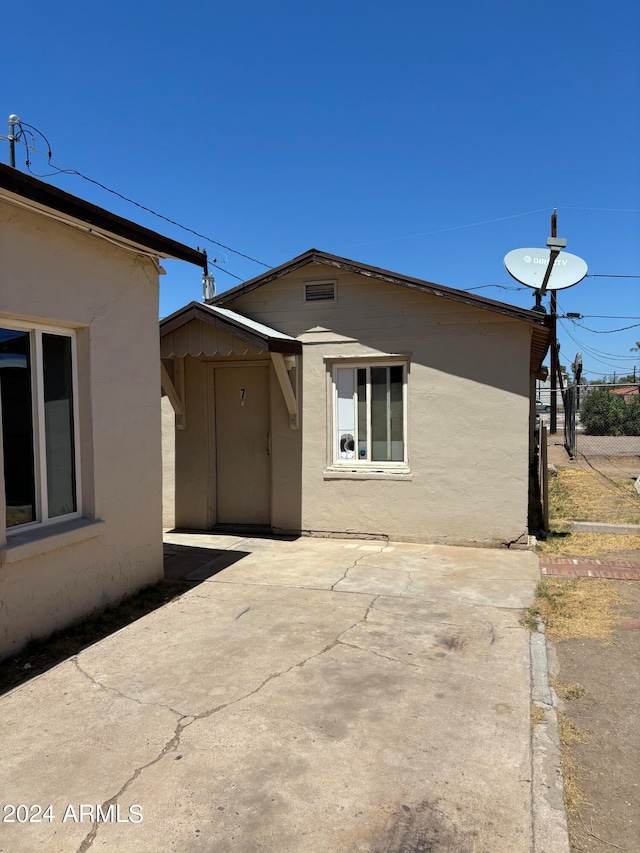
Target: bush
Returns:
[[604, 413]]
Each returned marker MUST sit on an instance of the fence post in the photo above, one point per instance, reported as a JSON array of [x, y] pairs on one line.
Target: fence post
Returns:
[[543, 474]]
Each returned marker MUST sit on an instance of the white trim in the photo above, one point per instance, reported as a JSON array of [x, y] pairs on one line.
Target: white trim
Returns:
[[40, 461], [35, 331], [334, 463]]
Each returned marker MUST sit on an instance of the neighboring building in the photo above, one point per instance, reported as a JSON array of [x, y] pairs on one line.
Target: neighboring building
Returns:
[[80, 471], [627, 392], [331, 397]]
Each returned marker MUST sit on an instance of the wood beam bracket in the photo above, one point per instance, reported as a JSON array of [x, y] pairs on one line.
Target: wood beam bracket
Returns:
[[175, 390], [288, 393]]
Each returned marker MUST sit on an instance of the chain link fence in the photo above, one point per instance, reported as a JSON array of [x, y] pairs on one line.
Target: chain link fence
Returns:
[[601, 420]]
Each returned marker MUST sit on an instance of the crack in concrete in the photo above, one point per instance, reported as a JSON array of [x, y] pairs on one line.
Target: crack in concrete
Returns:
[[171, 744], [354, 564], [186, 720], [379, 655], [124, 695], [409, 583]]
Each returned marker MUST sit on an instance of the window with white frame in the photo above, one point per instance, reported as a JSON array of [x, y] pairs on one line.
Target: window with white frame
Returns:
[[38, 394], [370, 402]]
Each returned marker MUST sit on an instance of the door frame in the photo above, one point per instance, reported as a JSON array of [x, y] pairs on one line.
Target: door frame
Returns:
[[210, 425]]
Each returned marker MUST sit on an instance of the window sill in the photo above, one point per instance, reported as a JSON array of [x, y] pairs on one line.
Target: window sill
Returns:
[[31, 543], [366, 474]]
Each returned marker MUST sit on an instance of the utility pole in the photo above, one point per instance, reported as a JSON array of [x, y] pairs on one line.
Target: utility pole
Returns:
[[555, 366]]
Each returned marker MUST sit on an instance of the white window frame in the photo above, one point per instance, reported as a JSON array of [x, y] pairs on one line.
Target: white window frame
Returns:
[[36, 330], [367, 464]]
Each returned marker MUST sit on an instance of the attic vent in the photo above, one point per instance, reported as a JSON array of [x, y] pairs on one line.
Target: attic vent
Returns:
[[322, 291]]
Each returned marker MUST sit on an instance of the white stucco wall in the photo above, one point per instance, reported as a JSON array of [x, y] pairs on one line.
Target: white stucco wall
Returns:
[[52, 274]]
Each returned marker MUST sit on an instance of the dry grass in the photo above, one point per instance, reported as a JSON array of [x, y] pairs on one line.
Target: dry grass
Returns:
[[589, 496], [563, 544], [536, 714], [571, 734], [575, 608], [579, 495], [567, 692]]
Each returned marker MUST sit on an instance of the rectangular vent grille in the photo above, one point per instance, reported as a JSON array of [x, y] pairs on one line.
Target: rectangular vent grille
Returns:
[[324, 292]]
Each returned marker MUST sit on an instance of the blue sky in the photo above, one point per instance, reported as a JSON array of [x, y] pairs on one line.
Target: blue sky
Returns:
[[382, 132]]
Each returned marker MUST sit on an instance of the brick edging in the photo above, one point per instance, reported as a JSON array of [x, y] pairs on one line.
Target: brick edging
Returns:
[[626, 570]]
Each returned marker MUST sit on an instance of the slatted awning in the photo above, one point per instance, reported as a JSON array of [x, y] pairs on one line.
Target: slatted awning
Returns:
[[199, 329]]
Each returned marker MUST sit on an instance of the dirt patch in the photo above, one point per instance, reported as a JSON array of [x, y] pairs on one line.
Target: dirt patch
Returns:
[[602, 764], [423, 828]]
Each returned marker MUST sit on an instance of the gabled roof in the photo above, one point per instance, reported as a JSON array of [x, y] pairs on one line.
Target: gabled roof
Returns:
[[315, 256], [22, 189], [539, 322], [253, 333]]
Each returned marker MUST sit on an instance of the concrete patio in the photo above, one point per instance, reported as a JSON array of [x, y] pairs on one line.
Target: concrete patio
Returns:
[[305, 696]]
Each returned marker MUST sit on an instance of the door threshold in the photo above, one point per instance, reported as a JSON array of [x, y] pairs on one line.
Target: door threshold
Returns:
[[247, 529]]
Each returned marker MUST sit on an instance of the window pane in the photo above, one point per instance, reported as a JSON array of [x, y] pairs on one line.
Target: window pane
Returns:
[[362, 412], [396, 416], [380, 452], [58, 424], [346, 413], [17, 426]]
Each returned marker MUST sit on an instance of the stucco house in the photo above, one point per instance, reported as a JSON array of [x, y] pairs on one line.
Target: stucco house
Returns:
[[329, 397], [80, 468]]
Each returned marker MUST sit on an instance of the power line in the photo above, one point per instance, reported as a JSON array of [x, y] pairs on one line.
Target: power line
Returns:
[[70, 171], [609, 275], [609, 331], [445, 230], [605, 209], [498, 286]]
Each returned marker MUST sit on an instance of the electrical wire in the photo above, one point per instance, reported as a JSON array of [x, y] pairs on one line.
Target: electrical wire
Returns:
[[609, 331], [70, 171], [591, 355], [604, 209], [445, 230], [610, 355], [498, 286]]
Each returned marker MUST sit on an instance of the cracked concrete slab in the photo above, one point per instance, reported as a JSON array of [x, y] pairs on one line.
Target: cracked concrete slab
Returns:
[[315, 695]]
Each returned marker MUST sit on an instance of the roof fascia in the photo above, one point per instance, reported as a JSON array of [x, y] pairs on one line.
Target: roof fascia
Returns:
[[14, 182]]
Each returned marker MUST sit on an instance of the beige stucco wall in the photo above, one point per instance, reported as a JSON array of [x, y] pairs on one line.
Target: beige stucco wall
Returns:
[[468, 411], [168, 464], [53, 274]]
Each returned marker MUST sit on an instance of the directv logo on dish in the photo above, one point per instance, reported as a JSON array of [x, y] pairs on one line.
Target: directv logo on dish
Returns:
[[530, 266], [543, 261]]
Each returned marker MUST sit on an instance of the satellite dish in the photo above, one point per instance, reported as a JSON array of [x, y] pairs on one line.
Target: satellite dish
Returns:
[[528, 266]]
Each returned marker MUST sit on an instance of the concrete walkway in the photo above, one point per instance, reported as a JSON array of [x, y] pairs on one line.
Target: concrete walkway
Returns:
[[308, 696]]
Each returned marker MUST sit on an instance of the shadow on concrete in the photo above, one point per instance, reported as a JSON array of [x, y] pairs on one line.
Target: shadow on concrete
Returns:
[[191, 564], [184, 567]]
